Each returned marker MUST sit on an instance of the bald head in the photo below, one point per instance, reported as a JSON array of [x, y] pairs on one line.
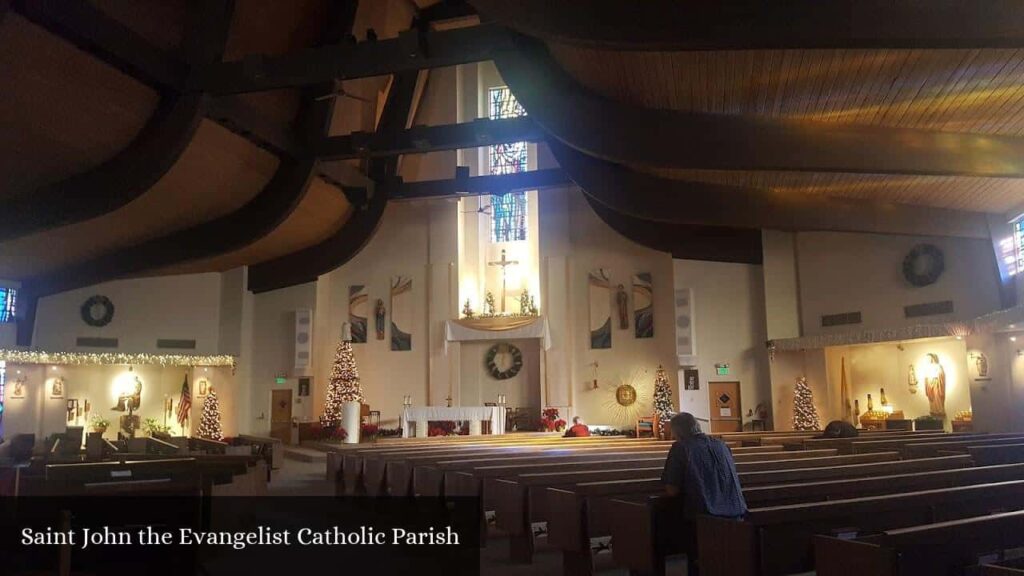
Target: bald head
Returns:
[[684, 425]]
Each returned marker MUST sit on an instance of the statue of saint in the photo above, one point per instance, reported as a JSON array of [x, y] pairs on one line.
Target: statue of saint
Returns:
[[378, 313], [130, 400], [935, 386], [621, 302]]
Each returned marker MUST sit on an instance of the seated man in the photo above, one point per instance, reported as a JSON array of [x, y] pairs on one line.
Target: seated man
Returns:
[[578, 429], [701, 470]]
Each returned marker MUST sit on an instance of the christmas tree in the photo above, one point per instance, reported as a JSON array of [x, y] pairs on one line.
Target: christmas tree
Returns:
[[662, 400], [805, 415], [344, 385], [209, 424]]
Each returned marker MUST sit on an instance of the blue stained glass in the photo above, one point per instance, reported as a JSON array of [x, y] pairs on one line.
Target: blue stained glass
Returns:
[[1016, 263], [7, 299], [508, 215]]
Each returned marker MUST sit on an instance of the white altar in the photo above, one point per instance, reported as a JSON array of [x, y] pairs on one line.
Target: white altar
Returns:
[[474, 414]]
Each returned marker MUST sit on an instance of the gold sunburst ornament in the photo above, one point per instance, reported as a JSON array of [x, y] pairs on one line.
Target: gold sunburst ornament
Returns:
[[628, 400]]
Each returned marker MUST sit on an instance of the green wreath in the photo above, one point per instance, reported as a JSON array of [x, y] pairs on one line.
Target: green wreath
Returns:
[[492, 368], [97, 321], [923, 265]]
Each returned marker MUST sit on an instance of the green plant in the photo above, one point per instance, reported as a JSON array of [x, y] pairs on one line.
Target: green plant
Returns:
[[928, 418], [98, 422], [153, 428]]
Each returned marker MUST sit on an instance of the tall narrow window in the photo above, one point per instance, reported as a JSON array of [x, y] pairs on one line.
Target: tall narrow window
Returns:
[[1015, 261], [7, 297], [508, 211]]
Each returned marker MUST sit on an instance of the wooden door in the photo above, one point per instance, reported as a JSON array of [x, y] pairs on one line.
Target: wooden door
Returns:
[[281, 415], [726, 409]]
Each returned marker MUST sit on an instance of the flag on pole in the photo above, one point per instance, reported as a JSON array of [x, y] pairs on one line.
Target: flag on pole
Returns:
[[184, 404]]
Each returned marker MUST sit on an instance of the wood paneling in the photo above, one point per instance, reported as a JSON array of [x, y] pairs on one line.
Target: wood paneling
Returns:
[[61, 110], [956, 90], [955, 192], [218, 173]]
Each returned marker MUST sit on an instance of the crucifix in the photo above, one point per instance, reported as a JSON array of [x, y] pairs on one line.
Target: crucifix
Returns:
[[504, 266]]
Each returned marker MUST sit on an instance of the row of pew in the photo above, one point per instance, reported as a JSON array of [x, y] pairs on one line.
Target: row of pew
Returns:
[[886, 498]]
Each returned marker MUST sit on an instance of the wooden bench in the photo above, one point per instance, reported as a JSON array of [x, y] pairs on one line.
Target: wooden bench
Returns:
[[646, 555], [578, 512], [867, 469], [860, 447], [925, 450], [1003, 454], [1013, 567], [930, 549], [778, 540]]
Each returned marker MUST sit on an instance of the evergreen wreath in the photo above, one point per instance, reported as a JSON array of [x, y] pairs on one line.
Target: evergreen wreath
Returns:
[[492, 368], [108, 311], [923, 265]]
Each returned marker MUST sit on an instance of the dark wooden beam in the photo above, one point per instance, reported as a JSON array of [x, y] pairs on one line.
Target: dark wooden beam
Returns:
[[477, 185], [420, 139], [85, 25], [635, 135], [755, 24], [647, 197], [364, 59], [309, 263], [687, 241]]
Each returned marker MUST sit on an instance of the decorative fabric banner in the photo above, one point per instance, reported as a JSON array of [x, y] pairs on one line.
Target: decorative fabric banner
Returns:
[[643, 305], [357, 312], [401, 313], [599, 288]]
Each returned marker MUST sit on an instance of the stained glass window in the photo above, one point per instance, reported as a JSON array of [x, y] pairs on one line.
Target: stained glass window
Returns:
[[7, 296], [508, 211], [1015, 261]]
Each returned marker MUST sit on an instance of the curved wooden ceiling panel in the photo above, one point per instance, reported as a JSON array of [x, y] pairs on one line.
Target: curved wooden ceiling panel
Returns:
[[70, 112], [995, 195], [322, 212], [955, 90], [217, 173]]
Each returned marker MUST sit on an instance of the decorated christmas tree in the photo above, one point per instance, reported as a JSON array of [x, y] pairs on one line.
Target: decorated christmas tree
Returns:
[[344, 385], [662, 400], [209, 423], [805, 415]]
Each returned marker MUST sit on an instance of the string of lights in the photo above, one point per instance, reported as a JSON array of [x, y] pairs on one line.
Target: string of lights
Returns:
[[114, 358]]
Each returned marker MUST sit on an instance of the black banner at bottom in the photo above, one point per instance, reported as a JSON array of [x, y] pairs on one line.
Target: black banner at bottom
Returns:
[[225, 536]]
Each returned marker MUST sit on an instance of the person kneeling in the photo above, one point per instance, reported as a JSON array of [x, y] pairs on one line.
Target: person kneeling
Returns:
[[701, 471], [578, 429]]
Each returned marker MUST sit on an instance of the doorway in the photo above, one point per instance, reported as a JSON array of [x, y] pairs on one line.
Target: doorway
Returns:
[[281, 415], [725, 406]]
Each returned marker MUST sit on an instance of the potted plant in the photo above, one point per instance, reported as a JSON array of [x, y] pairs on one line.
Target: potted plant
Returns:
[[155, 429], [929, 422], [99, 424]]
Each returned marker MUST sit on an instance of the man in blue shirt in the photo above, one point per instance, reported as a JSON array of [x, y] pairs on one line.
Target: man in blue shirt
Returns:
[[701, 470]]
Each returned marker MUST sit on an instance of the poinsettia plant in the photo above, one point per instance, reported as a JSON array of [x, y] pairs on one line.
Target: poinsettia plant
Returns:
[[550, 420]]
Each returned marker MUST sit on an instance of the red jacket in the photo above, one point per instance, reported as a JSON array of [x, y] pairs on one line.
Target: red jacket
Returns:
[[577, 431]]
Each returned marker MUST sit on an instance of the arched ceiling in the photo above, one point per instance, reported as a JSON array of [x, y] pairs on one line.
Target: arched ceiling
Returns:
[[907, 117]]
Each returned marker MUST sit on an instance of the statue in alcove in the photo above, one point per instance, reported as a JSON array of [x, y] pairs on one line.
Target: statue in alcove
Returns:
[[935, 386], [621, 302]]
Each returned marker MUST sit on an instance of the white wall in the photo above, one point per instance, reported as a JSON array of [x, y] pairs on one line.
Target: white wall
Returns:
[[145, 309], [781, 288], [843, 272], [729, 329]]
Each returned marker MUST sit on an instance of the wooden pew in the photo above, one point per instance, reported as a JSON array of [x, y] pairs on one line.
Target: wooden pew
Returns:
[[844, 445], [1013, 567], [869, 469], [431, 479], [929, 549], [572, 508], [778, 539], [1002, 454], [173, 476], [644, 554], [354, 465], [925, 450], [860, 447]]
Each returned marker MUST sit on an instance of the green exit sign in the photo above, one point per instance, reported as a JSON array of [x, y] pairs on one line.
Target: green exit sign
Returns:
[[722, 369], [280, 380]]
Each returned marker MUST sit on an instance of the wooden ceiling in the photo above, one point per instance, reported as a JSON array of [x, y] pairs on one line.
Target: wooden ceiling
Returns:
[[73, 108]]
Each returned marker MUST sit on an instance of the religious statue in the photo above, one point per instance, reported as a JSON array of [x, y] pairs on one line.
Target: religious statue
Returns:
[[130, 399], [378, 314], [912, 380], [621, 302], [504, 263], [935, 386], [489, 304], [981, 365]]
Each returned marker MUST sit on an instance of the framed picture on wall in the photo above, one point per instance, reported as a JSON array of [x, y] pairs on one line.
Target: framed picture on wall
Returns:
[[303, 386], [691, 379], [56, 388], [202, 388], [18, 389]]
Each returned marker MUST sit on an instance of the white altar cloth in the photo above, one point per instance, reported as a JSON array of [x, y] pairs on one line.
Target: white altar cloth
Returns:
[[539, 328], [474, 414]]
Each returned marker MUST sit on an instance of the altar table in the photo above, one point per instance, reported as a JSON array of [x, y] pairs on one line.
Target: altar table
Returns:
[[474, 414]]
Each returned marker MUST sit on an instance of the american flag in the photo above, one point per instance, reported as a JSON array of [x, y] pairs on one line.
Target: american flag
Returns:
[[184, 404]]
